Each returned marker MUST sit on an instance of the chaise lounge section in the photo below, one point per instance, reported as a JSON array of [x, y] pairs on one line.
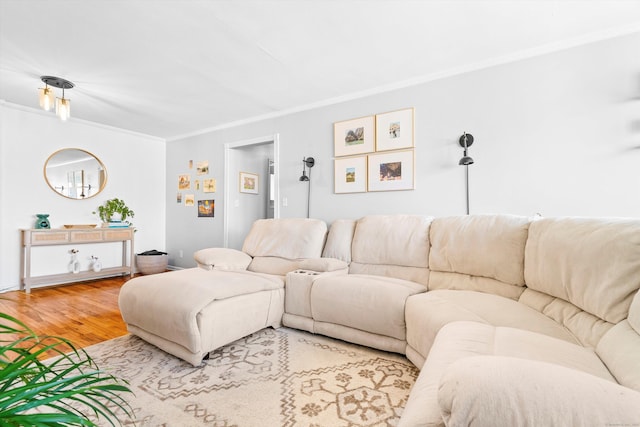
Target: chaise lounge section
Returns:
[[190, 312]]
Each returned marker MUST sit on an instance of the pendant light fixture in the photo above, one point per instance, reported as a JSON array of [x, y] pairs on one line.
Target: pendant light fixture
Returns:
[[63, 105]]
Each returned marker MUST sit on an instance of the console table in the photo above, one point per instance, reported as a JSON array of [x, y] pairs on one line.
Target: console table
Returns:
[[74, 236]]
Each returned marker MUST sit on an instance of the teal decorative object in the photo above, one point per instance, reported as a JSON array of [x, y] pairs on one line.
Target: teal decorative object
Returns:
[[43, 221]]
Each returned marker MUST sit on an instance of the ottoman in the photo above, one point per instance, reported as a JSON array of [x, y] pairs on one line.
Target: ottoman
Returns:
[[190, 312]]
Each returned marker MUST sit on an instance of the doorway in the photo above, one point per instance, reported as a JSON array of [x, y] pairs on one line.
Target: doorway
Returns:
[[258, 159]]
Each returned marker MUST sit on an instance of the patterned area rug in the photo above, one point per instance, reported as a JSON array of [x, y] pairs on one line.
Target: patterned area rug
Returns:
[[280, 377]]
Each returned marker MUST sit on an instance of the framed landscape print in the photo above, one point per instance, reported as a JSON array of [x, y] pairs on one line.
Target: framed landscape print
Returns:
[[350, 174], [390, 171], [206, 208], [354, 136], [394, 130], [248, 183]]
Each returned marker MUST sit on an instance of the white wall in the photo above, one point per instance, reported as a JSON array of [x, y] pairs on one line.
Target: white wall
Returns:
[[558, 134], [135, 168]]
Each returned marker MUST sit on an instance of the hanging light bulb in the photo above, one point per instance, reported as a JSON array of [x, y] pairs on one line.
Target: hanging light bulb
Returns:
[[63, 105], [46, 97]]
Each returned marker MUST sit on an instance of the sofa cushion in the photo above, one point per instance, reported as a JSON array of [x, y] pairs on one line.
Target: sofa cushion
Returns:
[[591, 263], [369, 303], [427, 313], [619, 348], [459, 340], [389, 245], [505, 392], [484, 246], [339, 240], [273, 265], [289, 238]]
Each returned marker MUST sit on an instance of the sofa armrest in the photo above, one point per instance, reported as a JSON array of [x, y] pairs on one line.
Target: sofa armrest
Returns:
[[222, 259], [504, 391], [322, 265], [298, 284]]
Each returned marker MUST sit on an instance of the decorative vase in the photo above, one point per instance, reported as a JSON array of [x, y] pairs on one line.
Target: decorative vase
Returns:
[[43, 221], [74, 264], [96, 264]]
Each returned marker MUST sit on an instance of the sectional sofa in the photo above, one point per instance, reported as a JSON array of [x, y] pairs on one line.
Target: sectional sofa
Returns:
[[511, 320]]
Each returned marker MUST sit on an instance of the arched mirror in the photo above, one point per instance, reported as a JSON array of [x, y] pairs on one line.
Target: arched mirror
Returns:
[[75, 173]]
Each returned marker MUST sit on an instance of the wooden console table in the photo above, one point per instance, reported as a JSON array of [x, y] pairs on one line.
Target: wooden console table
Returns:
[[74, 236]]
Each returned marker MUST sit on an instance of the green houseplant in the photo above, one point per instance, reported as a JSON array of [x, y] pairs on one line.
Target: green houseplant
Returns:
[[109, 208], [68, 390]]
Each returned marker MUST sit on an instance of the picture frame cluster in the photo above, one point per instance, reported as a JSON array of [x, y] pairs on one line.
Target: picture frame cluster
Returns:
[[375, 153], [187, 189]]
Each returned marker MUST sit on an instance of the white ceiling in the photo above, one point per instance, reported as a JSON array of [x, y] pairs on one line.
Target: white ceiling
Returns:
[[170, 68]]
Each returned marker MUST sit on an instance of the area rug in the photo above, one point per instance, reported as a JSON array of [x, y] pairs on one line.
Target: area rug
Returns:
[[281, 377]]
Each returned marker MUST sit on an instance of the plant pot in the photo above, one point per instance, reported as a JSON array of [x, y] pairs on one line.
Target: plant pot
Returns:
[[152, 264]]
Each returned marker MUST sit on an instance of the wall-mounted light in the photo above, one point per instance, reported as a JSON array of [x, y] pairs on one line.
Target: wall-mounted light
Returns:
[[46, 96], [465, 141], [307, 162]]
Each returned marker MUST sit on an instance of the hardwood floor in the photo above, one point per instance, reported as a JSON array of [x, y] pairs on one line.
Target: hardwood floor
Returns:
[[85, 313]]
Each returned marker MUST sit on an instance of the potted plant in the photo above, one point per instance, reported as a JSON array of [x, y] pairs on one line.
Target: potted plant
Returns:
[[67, 390], [114, 209]]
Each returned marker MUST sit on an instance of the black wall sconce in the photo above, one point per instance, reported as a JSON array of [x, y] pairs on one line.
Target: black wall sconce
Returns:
[[307, 162], [466, 141]]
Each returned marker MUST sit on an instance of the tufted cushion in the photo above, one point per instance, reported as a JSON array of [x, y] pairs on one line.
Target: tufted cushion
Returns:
[[591, 263]]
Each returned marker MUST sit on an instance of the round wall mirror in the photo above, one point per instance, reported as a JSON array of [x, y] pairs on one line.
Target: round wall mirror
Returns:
[[75, 173]]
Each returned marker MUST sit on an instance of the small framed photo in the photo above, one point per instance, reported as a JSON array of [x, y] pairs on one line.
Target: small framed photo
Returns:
[[350, 175], [355, 136], [184, 182], [391, 171], [394, 130], [248, 183], [202, 168], [189, 199], [206, 208], [209, 185]]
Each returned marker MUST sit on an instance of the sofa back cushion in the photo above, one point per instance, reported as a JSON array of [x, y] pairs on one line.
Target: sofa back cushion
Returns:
[[619, 348], [277, 245], [593, 264], [339, 240], [392, 246], [480, 252]]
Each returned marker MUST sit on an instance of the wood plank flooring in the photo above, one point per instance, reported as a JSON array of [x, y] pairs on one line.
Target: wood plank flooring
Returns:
[[85, 313]]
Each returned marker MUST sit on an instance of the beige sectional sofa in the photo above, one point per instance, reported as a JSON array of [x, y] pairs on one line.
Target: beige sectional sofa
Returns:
[[512, 320]]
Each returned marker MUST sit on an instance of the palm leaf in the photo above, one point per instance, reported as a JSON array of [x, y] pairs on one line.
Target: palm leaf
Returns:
[[63, 391]]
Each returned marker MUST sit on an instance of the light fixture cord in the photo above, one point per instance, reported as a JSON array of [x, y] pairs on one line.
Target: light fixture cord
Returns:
[[309, 195], [466, 173]]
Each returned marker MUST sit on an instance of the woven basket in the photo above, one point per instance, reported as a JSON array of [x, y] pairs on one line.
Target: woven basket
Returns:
[[152, 264]]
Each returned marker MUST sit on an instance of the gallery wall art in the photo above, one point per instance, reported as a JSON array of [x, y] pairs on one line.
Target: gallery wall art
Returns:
[[375, 153]]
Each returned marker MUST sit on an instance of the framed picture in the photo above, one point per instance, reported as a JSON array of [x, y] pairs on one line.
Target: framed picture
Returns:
[[202, 168], [394, 130], [184, 182], [209, 185], [206, 208], [248, 183], [189, 199], [350, 175], [354, 136], [390, 171]]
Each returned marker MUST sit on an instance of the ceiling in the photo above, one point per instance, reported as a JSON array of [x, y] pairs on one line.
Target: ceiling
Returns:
[[171, 68]]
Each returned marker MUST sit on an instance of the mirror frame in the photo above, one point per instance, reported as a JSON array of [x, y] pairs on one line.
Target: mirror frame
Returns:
[[46, 178]]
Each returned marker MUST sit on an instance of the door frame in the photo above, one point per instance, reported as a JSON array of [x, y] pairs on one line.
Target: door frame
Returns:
[[269, 139]]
